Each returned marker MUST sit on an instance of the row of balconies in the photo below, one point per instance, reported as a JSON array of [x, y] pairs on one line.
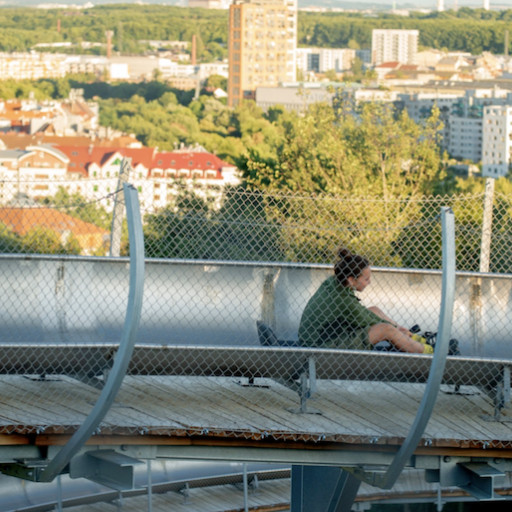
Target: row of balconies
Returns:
[[8, 176]]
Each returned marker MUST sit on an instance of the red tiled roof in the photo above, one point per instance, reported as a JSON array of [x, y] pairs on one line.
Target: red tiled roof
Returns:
[[391, 64], [81, 157], [408, 67], [189, 160], [16, 140], [21, 220], [13, 111]]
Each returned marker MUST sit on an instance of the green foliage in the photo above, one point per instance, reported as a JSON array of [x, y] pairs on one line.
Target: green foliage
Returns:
[[217, 82], [10, 242], [329, 154], [471, 30], [77, 206], [193, 228], [42, 240], [130, 24]]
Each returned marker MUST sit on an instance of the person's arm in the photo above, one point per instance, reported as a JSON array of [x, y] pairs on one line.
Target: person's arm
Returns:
[[381, 314]]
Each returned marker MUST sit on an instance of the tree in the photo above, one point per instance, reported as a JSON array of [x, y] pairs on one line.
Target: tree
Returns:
[[216, 82], [331, 155], [46, 241], [78, 206]]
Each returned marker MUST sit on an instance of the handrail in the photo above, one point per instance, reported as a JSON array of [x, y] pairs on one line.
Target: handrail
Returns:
[[124, 353], [388, 479]]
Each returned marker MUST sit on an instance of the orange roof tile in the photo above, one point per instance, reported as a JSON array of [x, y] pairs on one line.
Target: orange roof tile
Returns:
[[21, 220], [16, 140]]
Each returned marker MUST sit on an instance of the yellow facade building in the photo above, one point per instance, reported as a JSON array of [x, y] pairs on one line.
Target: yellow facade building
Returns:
[[262, 45]]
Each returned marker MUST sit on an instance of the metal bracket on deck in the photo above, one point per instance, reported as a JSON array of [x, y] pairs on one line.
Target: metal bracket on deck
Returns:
[[477, 478], [500, 394], [105, 467], [26, 469], [305, 386]]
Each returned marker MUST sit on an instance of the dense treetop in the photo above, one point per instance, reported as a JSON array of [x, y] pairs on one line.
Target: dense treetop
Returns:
[[472, 30]]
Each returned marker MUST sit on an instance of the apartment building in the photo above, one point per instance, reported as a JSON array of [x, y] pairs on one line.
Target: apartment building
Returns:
[[390, 45], [261, 47], [34, 66], [462, 114], [72, 116], [296, 97], [463, 137], [38, 171], [320, 60], [496, 140], [209, 4]]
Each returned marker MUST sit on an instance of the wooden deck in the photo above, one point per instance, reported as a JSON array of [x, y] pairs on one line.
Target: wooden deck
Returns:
[[352, 412]]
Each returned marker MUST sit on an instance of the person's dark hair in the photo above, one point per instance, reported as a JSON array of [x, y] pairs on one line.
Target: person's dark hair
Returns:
[[349, 265]]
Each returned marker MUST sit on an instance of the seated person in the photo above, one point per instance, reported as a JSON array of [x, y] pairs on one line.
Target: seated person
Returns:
[[335, 318]]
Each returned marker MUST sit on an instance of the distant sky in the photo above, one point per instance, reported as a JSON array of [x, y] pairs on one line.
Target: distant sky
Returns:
[[346, 4], [422, 4]]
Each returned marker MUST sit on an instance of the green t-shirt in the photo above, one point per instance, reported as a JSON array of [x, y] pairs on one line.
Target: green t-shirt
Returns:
[[334, 317]]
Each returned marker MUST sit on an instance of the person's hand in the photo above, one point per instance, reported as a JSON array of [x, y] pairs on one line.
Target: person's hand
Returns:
[[404, 330]]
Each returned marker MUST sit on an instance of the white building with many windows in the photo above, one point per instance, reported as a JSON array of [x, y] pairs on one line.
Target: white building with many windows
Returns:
[[464, 138], [394, 46], [320, 60], [496, 140]]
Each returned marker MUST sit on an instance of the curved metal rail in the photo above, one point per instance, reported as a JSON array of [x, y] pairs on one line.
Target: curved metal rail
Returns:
[[439, 360], [123, 356]]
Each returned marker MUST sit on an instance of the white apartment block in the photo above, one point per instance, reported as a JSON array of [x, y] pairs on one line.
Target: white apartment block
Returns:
[[419, 105], [34, 66], [464, 138], [31, 66], [461, 114], [320, 60], [496, 140], [210, 4], [394, 46], [294, 97]]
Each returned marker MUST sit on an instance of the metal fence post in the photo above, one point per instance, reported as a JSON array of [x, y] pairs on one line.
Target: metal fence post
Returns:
[[119, 206], [485, 247]]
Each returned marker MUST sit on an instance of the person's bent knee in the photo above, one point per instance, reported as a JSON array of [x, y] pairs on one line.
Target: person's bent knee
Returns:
[[381, 332]]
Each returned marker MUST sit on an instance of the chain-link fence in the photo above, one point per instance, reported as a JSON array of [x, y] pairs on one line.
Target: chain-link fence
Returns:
[[220, 351], [233, 224]]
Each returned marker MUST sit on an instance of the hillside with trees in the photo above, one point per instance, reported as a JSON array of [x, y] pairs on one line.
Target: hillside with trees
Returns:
[[472, 30]]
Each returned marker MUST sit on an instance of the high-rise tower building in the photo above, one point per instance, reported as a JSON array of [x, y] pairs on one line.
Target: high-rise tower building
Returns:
[[394, 46], [262, 44]]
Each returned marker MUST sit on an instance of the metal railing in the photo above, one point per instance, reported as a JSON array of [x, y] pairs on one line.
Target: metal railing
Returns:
[[216, 267]]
